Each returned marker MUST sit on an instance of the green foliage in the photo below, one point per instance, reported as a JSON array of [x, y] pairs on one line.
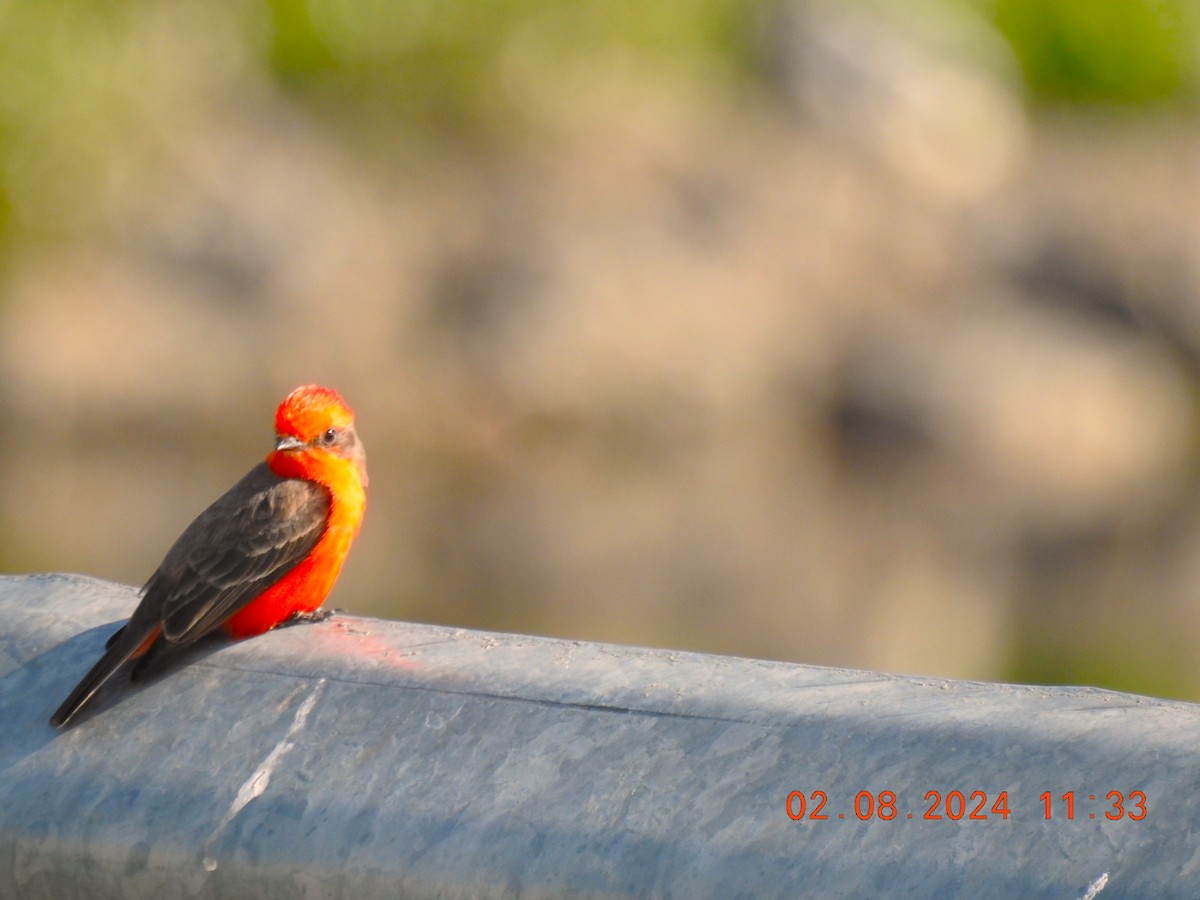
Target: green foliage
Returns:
[[1114, 662], [462, 64], [1101, 51], [87, 85]]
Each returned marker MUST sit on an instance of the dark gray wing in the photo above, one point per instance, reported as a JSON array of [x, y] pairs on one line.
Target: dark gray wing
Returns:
[[247, 540]]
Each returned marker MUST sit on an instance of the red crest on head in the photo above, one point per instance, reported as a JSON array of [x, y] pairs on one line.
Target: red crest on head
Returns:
[[311, 409]]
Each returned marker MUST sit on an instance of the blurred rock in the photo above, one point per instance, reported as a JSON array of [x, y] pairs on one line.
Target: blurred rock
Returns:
[[916, 93], [904, 382]]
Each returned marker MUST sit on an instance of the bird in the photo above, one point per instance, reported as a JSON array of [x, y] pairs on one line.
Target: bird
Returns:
[[265, 553]]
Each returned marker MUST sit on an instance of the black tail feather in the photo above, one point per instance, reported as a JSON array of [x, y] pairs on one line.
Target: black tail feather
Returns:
[[120, 649]]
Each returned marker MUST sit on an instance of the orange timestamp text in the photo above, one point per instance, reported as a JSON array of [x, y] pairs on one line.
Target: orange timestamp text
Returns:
[[974, 806]]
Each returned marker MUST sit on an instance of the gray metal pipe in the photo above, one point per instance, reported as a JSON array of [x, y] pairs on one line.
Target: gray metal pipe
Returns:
[[360, 758]]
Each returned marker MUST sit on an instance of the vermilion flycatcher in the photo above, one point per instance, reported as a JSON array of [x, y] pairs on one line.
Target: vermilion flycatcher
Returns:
[[267, 551]]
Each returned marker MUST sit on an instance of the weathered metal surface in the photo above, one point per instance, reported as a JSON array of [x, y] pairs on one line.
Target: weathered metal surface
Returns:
[[360, 758]]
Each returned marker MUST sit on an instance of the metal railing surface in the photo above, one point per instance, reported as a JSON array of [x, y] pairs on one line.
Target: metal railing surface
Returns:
[[360, 758]]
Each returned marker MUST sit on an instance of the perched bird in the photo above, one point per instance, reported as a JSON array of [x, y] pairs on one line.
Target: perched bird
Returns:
[[267, 551]]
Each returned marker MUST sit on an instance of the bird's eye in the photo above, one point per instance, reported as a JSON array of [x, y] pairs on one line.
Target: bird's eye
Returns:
[[329, 436]]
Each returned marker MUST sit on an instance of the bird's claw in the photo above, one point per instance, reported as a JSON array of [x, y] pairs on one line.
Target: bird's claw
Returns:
[[303, 618]]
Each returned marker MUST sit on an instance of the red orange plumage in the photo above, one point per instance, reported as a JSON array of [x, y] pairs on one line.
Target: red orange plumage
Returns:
[[267, 550]]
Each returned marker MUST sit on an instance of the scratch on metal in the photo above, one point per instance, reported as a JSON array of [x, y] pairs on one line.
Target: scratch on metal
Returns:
[[260, 778]]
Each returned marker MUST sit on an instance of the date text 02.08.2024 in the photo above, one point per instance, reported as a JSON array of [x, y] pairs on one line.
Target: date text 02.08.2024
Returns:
[[975, 806]]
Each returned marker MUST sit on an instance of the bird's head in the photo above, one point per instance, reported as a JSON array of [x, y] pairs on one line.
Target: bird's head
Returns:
[[315, 421]]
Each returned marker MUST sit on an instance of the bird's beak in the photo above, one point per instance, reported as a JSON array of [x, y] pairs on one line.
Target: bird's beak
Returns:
[[287, 442]]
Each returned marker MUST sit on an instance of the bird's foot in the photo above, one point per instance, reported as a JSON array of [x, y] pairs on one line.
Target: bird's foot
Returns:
[[303, 618]]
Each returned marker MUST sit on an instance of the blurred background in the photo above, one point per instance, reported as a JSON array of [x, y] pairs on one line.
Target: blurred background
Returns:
[[850, 333]]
